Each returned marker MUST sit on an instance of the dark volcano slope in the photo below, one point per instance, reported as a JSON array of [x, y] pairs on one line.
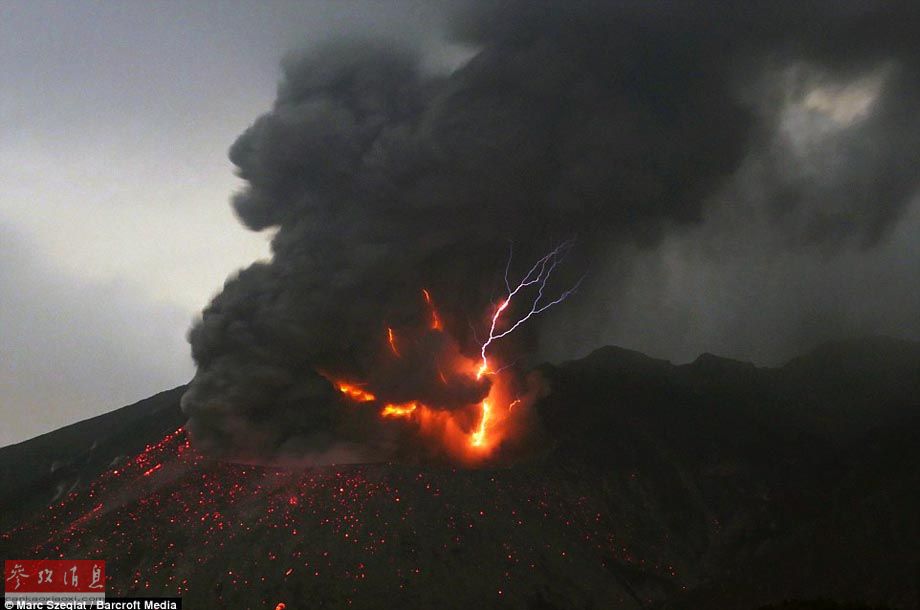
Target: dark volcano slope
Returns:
[[42, 470], [758, 485], [709, 485]]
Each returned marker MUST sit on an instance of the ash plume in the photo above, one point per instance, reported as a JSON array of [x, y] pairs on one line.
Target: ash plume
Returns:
[[613, 123]]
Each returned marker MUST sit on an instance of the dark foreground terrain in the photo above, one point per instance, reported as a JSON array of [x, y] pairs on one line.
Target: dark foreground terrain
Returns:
[[712, 485]]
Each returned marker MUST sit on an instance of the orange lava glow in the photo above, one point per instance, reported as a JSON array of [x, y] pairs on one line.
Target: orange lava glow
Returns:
[[473, 434], [478, 438], [435, 318], [469, 434], [355, 392], [401, 410], [391, 337]]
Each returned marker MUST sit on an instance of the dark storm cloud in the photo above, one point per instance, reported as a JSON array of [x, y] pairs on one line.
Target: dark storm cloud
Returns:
[[615, 123]]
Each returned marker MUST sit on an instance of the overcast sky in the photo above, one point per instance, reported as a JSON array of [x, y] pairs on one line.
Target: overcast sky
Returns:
[[115, 228]]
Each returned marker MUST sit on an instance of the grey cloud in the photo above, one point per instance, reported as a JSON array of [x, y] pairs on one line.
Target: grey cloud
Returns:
[[71, 348]]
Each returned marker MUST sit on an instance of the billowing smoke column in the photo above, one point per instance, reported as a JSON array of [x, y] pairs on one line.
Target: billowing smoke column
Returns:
[[572, 119]]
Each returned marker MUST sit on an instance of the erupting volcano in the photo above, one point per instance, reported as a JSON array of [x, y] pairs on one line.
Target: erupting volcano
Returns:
[[384, 413], [467, 432]]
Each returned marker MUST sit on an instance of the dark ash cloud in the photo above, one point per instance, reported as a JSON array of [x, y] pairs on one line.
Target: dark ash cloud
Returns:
[[615, 124]]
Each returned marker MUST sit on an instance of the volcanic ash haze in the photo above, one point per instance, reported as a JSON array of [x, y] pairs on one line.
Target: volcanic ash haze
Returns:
[[612, 122]]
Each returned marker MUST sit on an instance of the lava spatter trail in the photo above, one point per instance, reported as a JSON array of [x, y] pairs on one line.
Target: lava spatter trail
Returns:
[[170, 522]]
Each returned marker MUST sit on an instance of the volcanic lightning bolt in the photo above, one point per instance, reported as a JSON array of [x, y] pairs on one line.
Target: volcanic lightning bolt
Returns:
[[538, 275]]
